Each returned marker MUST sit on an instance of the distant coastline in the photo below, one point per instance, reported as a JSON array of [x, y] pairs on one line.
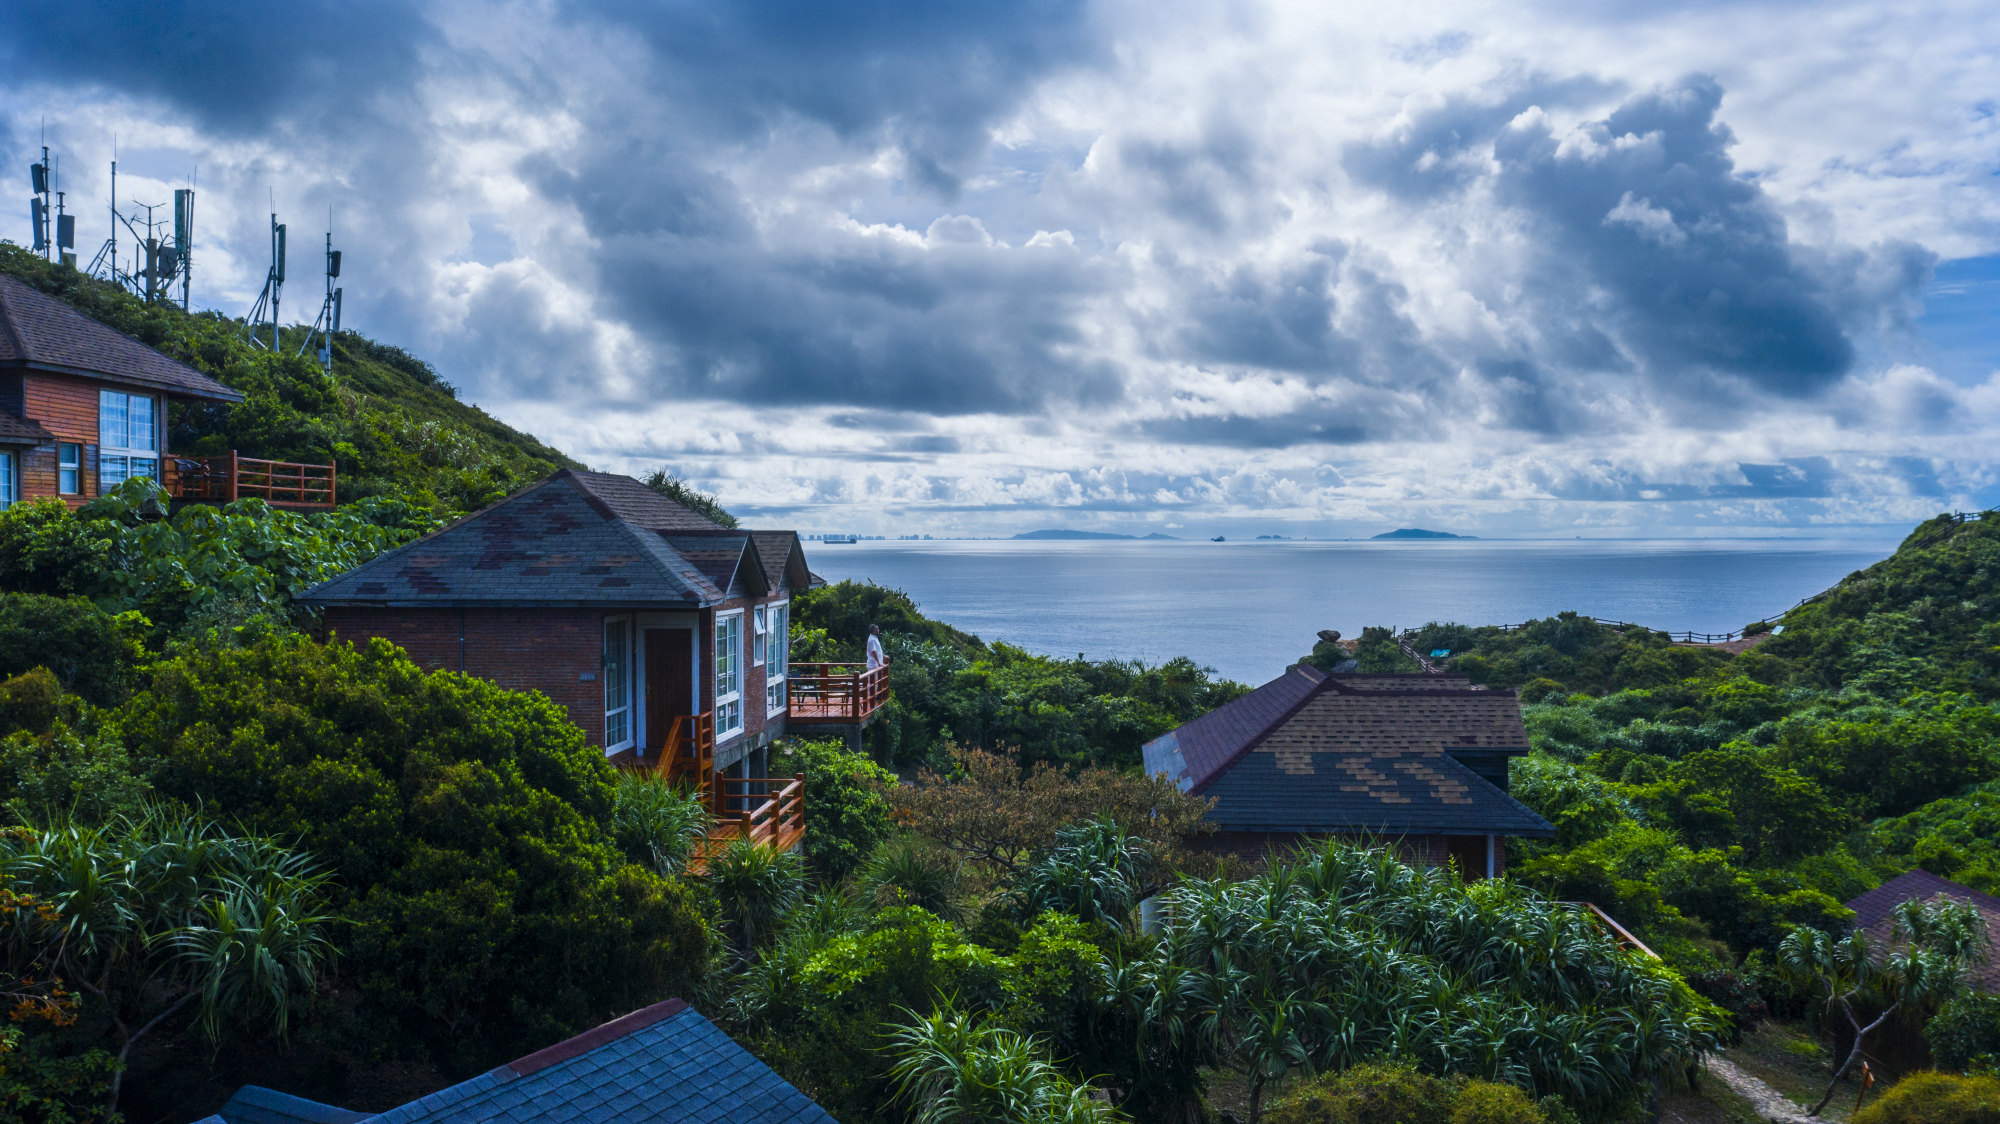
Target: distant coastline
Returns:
[[1420, 533], [1061, 534]]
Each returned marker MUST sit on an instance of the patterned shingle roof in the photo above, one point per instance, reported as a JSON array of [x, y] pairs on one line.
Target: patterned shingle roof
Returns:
[[1874, 911], [1311, 752], [664, 1064], [784, 558], [39, 331]]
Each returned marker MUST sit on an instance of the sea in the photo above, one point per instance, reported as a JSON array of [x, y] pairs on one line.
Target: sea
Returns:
[[1249, 609]]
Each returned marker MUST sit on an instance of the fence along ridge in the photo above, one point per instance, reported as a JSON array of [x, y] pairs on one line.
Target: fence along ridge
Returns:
[[1954, 521]]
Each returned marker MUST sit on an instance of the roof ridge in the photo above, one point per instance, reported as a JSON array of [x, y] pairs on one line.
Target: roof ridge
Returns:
[[1243, 751], [591, 1039]]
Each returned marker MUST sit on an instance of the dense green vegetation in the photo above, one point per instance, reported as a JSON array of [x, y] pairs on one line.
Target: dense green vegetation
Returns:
[[1715, 802], [951, 688], [384, 419]]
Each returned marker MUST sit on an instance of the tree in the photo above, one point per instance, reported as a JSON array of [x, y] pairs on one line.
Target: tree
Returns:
[[992, 812], [470, 828], [166, 912], [1930, 947], [849, 815]]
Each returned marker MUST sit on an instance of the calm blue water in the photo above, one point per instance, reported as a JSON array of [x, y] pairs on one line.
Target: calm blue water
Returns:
[[1248, 609]]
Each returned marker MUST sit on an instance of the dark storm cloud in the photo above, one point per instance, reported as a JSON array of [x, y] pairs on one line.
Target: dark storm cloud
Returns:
[[930, 78], [233, 67], [1646, 206]]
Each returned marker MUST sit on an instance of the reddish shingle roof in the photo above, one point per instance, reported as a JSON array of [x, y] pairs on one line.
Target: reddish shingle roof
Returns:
[[577, 538], [41, 332], [1875, 910], [1311, 752]]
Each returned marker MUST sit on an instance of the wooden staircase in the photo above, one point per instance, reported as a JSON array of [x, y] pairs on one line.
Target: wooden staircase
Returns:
[[764, 810]]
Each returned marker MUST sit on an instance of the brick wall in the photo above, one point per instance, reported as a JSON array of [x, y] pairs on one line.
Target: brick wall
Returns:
[[546, 650], [66, 406]]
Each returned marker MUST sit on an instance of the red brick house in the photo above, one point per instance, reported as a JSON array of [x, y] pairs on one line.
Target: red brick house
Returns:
[[1416, 760], [83, 407], [664, 634]]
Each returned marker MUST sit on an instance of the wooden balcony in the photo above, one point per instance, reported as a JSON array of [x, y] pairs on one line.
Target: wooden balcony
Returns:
[[225, 479], [834, 694], [766, 810]]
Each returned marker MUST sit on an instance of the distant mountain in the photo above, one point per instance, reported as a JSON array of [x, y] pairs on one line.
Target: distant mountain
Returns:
[[1158, 536], [1420, 533], [1070, 535]]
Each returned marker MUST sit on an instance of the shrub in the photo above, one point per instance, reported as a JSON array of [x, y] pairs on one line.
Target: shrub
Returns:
[[848, 816], [657, 822], [468, 827], [1966, 1032], [46, 550], [1384, 1093], [1936, 1098], [91, 653]]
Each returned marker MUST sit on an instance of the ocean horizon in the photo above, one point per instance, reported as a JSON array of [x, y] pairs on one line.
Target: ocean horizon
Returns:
[[1249, 608]]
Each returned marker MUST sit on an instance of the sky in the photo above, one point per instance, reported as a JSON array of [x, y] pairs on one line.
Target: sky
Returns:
[[1521, 269]]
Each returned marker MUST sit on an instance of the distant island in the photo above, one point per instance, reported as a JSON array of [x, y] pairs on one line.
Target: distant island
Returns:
[[1059, 534], [1420, 533]]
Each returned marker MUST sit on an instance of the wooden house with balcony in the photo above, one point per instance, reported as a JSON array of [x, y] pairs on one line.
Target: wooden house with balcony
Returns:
[[664, 634], [83, 408]]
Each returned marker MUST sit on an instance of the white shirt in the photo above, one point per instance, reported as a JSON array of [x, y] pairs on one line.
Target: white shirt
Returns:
[[876, 657]]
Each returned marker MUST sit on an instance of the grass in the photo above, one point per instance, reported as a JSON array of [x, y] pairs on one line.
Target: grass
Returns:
[[1790, 1058]]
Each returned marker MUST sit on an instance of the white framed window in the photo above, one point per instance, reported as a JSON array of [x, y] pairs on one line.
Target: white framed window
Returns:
[[777, 655], [69, 468], [728, 674], [127, 443], [757, 636], [8, 481], [617, 672]]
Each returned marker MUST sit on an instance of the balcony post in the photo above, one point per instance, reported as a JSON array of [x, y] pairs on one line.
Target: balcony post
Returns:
[[232, 476]]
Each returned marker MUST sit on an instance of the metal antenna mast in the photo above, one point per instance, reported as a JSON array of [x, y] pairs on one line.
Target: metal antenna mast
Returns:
[[38, 207], [328, 321], [274, 283]]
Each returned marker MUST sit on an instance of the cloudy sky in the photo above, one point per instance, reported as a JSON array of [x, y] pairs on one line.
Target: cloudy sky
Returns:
[[1521, 268]]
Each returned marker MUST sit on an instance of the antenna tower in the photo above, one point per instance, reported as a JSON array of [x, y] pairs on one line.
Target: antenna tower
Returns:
[[43, 178], [274, 284], [328, 322]]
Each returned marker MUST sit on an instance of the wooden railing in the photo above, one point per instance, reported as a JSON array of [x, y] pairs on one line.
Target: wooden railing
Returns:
[[835, 692], [768, 811], [229, 478], [1620, 936], [690, 752]]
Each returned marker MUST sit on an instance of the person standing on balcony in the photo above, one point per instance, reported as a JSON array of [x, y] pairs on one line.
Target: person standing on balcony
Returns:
[[876, 656]]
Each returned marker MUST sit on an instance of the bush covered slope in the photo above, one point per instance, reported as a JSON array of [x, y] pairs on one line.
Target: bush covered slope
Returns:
[[385, 419]]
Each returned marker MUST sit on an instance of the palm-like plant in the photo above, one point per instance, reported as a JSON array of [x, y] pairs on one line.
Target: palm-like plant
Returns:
[[903, 871], [1930, 947], [158, 912], [754, 883], [657, 822], [954, 1069], [1094, 871]]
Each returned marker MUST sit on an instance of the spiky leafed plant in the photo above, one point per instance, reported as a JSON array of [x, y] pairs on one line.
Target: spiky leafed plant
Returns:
[[1094, 871], [906, 871], [163, 911], [1931, 945], [754, 883], [1345, 953], [953, 1068], [656, 821]]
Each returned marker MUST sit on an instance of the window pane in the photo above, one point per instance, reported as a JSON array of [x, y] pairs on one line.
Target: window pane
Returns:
[[617, 687], [781, 638], [110, 473], [6, 480], [143, 466], [757, 636], [139, 420], [111, 421], [728, 655], [69, 460]]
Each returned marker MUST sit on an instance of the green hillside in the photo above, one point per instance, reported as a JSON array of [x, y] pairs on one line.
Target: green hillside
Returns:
[[385, 419]]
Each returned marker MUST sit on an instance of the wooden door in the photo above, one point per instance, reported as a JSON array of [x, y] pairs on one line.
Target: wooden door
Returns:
[[669, 680], [1469, 852]]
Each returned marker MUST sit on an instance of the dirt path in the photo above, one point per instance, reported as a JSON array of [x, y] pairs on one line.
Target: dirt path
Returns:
[[1769, 1103]]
